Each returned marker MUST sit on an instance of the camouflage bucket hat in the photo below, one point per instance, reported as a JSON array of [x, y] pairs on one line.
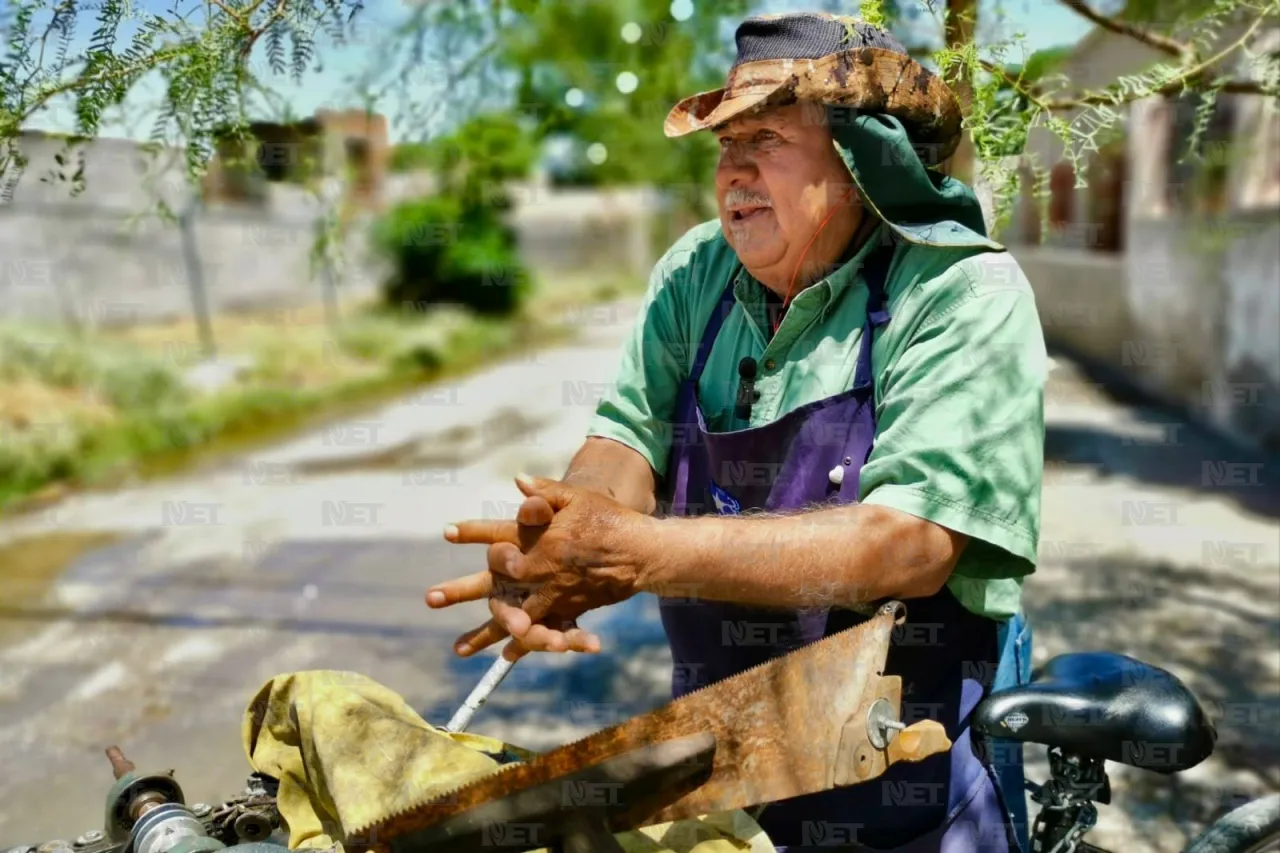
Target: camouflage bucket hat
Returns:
[[820, 58]]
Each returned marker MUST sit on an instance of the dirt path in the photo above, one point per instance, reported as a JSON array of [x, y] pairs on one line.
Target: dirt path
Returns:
[[316, 553], [1139, 556]]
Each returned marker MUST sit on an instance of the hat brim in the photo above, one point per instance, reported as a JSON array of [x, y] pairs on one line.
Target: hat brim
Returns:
[[707, 110], [866, 79]]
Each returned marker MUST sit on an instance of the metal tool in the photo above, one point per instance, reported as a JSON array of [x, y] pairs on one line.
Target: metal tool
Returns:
[[805, 722], [462, 717], [148, 813]]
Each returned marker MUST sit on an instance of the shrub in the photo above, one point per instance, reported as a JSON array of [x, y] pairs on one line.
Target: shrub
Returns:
[[455, 246], [450, 249]]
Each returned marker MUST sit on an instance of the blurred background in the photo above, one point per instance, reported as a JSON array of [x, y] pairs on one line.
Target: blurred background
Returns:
[[285, 287]]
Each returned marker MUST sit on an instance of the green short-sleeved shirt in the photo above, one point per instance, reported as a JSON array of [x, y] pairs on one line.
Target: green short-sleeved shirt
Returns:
[[959, 379]]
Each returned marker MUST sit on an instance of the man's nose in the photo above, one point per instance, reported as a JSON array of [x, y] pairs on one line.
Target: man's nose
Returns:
[[734, 168]]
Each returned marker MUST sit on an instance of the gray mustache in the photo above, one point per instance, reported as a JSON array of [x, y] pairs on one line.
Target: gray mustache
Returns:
[[738, 197]]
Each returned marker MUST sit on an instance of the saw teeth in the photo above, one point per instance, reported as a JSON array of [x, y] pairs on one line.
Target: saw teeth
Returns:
[[450, 793], [435, 799]]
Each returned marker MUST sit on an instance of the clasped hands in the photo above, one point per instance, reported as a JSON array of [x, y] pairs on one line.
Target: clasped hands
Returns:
[[569, 550]]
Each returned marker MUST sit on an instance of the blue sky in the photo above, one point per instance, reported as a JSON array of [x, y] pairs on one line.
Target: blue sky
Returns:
[[1043, 23]]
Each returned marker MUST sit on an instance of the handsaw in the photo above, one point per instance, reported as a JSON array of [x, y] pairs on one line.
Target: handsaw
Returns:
[[820, 717]]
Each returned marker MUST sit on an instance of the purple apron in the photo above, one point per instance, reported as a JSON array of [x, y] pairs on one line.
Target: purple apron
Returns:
[[946, 655]]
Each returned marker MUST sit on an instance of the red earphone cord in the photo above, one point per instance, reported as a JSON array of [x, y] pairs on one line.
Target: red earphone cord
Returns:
[[792, 286]]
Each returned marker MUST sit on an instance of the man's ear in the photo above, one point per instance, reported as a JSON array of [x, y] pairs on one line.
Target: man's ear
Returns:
[[826, 114]]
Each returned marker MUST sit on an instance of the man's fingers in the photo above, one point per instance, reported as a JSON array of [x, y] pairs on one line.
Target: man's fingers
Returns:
[[556, 493], [468, 588], [580, 641], [535, 511], [560, 635], [533, 517], [478, 639], [566, 636], [540, 638], [505, 559], [531, 521], [543, 638], [538, 604], [513, 651], [510, 617], [486, 532]]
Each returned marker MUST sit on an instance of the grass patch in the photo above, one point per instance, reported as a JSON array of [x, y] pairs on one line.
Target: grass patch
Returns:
[[91, 410]]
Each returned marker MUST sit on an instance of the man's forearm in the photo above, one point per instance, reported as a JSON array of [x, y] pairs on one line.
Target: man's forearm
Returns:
[[827, 558], [614, 470]]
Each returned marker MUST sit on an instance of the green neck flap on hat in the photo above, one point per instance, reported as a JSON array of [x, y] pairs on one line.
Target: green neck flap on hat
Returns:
[[920, 204]]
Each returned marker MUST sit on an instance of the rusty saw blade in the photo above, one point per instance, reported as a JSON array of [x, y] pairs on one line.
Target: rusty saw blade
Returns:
[[796, 725]]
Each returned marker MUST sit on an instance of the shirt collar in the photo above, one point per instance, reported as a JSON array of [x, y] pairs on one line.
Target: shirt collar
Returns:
[[821, 293]]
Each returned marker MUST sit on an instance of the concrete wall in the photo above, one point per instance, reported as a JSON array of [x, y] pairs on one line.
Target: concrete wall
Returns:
[[1190, 314], [617, 231], [77, 260], [1080, 298], [611, 232], [90, 260], [1189, 309]]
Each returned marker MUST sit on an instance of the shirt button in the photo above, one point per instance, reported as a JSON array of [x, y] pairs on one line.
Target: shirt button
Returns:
[[770, 364]]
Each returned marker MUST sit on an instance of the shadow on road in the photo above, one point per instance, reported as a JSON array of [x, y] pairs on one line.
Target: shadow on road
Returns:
[[360, 604], [197, 621], [1218, 634], [1177, 455], [1159, 445], [303, 586], [550, 698]]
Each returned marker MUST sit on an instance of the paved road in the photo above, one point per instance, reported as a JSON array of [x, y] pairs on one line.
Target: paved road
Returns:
[[316, 554]]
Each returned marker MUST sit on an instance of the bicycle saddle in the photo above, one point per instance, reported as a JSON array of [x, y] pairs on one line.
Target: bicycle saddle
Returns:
[[1105, 706]]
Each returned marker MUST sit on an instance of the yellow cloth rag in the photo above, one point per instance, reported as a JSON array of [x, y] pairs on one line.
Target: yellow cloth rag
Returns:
[[348, 752]]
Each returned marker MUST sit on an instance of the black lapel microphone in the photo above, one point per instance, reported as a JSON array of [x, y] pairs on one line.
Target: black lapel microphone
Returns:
[[746, 388]]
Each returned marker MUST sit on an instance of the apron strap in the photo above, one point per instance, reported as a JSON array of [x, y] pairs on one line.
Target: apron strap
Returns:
[[876, 273], [713, 329]]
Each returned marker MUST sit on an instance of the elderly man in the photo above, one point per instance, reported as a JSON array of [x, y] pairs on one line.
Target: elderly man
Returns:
[[833, 396]]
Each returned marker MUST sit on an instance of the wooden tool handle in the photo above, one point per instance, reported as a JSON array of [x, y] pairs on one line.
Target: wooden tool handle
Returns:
[[918, 741]]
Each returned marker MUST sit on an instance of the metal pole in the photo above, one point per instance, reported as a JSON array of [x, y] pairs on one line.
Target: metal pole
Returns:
[[195, 275], [462, 718]]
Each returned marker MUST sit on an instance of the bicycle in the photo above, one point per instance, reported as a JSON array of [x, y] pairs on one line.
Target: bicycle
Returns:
[[1092, 707], [1087, 708]]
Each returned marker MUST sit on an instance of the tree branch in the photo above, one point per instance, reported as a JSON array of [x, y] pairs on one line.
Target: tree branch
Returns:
[[1014, 83], [1192, 77], [277, 13], [66, 6], [231, 13], [1159, 42], [1247, 87], [146, 63], [1234, 87]]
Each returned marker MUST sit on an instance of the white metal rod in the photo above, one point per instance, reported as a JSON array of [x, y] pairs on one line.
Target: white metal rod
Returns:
[[462, 718]]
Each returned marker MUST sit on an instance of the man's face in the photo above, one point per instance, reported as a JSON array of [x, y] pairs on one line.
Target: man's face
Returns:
[[778, 177]]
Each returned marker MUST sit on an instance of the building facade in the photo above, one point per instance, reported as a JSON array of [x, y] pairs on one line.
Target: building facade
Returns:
[[351, 144], [1165, 267]]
